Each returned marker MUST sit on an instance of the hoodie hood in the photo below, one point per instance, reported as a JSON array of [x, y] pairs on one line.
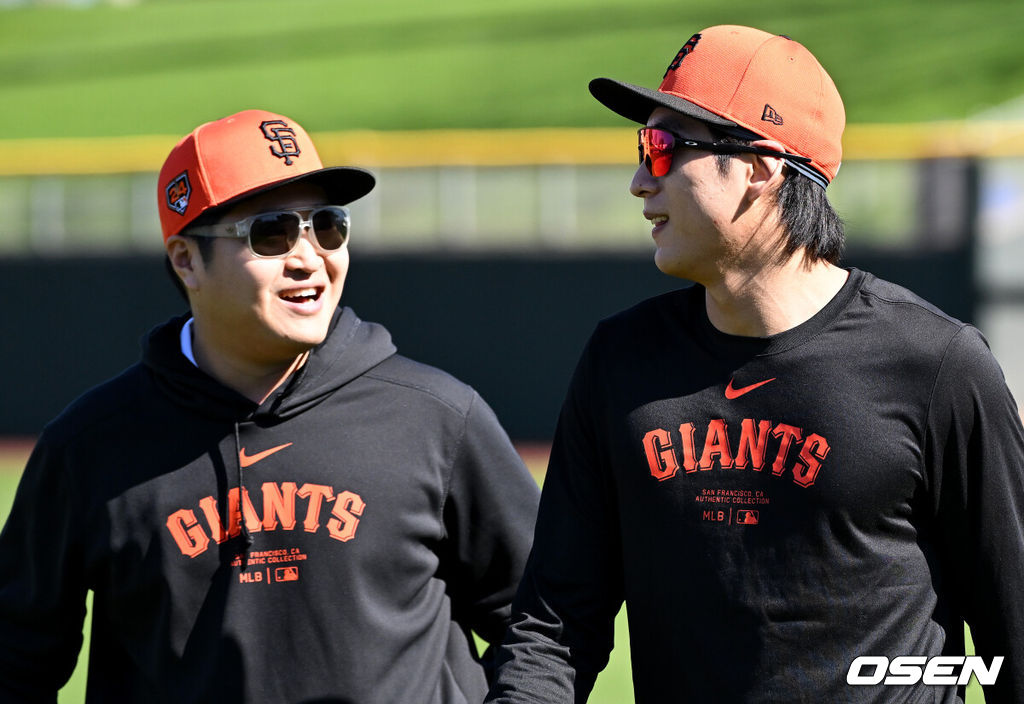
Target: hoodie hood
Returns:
[[352, 348]]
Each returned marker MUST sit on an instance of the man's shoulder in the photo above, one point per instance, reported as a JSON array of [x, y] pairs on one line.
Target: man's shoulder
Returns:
[[907, 309], [408, 377], [912, 332], [652, 322], [109, 402]]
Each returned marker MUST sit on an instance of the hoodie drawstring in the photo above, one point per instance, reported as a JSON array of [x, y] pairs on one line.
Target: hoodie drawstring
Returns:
[[246, 536]]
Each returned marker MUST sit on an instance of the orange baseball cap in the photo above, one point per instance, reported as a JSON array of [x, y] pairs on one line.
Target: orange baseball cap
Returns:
[[221, 162], [739, 77]]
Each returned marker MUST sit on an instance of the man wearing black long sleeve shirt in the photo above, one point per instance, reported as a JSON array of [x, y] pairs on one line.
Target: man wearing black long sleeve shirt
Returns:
[[786, 467]]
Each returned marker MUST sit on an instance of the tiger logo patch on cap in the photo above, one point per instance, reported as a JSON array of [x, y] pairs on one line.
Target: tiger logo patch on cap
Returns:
[[178, 191]]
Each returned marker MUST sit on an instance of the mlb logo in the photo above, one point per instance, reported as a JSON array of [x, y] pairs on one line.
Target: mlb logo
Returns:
[[286, 574], [746, 517], [178, 191]]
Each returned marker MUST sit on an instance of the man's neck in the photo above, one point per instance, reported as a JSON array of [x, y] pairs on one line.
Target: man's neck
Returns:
[[772, 299], [254, 380]]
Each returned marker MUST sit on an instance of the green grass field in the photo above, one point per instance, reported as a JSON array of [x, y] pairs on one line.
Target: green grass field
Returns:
[[163, 66], [614, 685]]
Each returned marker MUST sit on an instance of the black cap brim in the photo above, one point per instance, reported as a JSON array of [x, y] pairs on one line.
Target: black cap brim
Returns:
[[342, 184], [636, 103]]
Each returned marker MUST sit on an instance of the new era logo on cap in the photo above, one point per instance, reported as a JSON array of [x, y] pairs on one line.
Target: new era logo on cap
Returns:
[[769, 115]]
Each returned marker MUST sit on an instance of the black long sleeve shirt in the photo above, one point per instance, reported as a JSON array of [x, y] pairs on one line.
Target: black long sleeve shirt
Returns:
[[771, 509]]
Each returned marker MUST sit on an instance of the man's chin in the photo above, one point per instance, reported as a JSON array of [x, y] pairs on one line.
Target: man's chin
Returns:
[[300, 341], [668, 265]]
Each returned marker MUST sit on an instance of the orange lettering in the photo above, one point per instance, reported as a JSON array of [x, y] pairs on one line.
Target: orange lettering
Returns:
[[686, 432], [805, 471], [788, 433], [188, 534], [347, 506], [277, 506], [316, 493], [209, 506], [661, 458], [252, 520], [278, 512], [753, 443], [664, 458], [716, 444]]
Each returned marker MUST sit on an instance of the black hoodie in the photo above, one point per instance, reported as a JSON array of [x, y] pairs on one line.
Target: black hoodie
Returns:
[[335, 543]]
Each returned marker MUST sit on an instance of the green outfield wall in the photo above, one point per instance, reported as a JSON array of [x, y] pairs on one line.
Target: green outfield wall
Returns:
[[512, 325]]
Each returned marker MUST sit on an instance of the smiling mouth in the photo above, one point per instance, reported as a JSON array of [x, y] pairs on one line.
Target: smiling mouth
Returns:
[[659, 220], [301, 295]]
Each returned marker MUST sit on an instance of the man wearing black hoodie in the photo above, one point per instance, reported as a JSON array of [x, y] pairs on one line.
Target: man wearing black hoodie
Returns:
[[272, 506]]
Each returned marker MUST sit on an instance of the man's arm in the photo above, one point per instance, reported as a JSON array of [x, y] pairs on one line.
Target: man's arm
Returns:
[[563, 616], [42, 584], [489, 515], [976, 446]]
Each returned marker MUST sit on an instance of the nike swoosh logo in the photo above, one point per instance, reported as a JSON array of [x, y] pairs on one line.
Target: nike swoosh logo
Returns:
[[249, 460], [731, 393]]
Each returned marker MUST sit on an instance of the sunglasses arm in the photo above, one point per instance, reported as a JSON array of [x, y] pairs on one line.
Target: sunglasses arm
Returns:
[[230, 229], [729, 148]]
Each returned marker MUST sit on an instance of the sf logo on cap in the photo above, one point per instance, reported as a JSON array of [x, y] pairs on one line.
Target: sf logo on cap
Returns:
[[285, 145], [689, 46], [178, 191]]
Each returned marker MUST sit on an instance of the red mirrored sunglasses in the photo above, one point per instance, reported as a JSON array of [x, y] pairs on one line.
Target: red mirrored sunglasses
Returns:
[[657, 146]]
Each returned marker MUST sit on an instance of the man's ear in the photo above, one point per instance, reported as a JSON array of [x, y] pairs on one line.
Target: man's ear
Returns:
[[765, 168], [183, 254]]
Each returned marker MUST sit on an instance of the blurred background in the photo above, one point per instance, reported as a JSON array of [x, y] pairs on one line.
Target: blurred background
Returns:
[[501, 229]]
